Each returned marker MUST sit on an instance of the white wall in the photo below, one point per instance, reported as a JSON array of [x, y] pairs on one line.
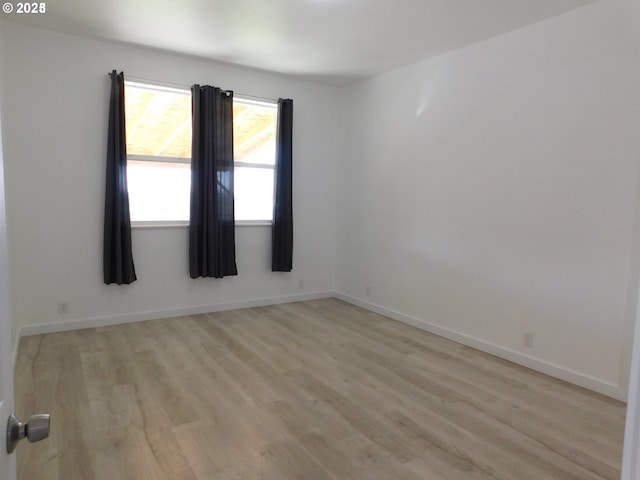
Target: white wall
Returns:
[[492, 190], [55, 132]]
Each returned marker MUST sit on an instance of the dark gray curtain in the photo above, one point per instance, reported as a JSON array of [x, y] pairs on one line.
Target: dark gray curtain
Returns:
[[212, 250], [282, 229], [117, 255]]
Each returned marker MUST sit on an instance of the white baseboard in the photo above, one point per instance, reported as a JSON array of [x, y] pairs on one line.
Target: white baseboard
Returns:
[[568, 375], [78, 324]]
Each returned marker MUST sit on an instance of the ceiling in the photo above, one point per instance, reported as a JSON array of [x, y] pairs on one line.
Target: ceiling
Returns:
[[328, 41]]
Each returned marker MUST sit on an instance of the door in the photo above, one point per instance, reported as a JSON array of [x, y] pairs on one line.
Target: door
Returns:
[[7, 462], [631, 458]]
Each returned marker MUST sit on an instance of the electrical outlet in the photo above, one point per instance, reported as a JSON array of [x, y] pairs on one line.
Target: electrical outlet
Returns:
[[527, 339], [367, 291], [301, 283], [63, 307]]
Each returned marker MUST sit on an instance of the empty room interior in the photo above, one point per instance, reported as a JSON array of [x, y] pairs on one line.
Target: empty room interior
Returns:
[[420, 261]]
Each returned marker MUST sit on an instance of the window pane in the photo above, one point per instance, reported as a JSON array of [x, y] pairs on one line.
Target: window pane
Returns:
[[158, 121], [159, 191], [158, 124], [253, 193], [254, 132]]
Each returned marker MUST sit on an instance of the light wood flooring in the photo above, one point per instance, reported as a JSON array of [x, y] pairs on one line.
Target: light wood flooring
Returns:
[[315, 390]]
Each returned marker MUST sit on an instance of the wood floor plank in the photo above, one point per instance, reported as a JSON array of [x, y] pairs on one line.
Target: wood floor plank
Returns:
[[311, 390], [372, 457], [572, 439], [361, 421]]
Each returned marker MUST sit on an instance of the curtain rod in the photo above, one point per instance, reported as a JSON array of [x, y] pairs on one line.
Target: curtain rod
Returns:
[[188, 87]]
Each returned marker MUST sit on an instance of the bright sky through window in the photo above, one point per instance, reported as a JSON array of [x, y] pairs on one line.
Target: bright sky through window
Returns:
[[158, 122]]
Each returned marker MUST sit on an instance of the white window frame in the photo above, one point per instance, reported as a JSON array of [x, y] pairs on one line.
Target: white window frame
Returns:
[[246, 99]]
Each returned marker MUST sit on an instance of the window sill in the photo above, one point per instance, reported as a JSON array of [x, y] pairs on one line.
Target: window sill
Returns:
[[159, 224], [184, 224]]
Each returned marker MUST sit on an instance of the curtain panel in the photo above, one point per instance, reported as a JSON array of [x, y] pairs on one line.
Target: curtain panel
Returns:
[[282, 228], [212, 251], [118, 264]]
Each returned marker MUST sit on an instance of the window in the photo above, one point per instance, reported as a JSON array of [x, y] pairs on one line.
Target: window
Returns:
[[158, 122], [254, 151]]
